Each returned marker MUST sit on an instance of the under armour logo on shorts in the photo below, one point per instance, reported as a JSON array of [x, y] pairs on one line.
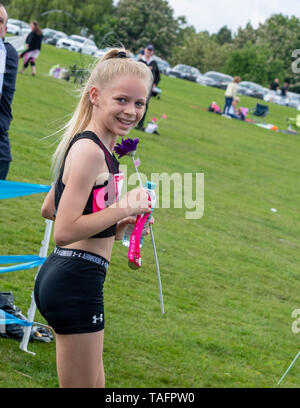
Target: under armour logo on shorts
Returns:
[[95, 318]]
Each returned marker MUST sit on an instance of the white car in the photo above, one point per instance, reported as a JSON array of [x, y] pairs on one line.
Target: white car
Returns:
[[293, 100], [163, 65], [17, 27], [78, 44], [99, 53], [205, 80], [51, 36]]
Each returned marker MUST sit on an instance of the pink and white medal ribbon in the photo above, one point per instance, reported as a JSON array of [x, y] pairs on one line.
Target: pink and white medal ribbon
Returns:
[[134, 252]]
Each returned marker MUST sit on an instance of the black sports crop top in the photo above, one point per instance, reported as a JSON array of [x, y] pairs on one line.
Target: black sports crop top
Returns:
[[101, 196]]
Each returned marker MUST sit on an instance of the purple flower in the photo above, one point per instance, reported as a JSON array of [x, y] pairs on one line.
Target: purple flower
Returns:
[[126, 147]]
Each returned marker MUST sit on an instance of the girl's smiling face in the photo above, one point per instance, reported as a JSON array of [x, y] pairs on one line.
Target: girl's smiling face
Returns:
[[120, 105]]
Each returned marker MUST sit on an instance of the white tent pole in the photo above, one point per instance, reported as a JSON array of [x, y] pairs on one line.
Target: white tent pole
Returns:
[[154, 248], [32, 308], [158, 273], [291, 365]]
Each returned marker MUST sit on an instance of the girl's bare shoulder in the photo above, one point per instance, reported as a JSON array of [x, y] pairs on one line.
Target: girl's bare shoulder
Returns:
[[87, 150], [86, 159]]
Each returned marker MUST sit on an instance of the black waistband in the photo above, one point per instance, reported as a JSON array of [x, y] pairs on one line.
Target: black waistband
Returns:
[[82, 255]]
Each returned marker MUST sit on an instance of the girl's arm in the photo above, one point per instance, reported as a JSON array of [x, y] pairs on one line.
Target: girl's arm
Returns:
[[48, 207], [85, 164]]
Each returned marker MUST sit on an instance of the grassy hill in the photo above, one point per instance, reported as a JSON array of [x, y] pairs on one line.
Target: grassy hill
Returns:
[[230, 279]]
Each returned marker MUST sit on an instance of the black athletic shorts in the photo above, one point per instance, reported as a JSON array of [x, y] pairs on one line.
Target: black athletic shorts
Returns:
[[69, 291]]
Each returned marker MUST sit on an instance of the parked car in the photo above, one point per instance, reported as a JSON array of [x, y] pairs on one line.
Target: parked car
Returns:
[[271, 97], [293, 100], [205, 80], [163, 65], [99, 53], [16, 41], [51, 36], [184, 72], [17, 27], [221, 80], [251, 89], [244, 90], [266, 91], [78, 44], [276, 98]]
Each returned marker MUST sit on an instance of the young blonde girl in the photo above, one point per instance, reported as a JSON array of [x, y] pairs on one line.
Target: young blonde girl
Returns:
[[89, 214]]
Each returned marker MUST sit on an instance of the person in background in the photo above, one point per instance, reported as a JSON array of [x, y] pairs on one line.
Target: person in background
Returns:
[[33, 44], [274, 86], [9, 68], [230, 93], [147, 58], [284, 92], [235, 112]]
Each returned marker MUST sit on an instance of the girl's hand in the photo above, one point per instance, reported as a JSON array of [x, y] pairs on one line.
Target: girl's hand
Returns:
[[136, 201], [121, 226]]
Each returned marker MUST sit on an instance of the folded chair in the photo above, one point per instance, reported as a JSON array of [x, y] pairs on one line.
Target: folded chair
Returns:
[[259, 111]]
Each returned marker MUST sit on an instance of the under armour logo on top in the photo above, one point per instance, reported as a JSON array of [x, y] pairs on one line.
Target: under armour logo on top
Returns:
[[95, 318]]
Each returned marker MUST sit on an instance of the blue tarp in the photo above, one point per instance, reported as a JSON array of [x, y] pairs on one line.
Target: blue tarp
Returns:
[[9, 259], [10, 319], [9, 189], [23, 266], [30, 261]]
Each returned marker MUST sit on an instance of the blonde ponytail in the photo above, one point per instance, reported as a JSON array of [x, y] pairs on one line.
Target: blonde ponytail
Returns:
[[78, 122]]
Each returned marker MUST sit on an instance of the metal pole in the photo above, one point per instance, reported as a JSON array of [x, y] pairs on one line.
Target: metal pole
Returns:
[[154, 249], [291, 365], [32, 308], [158, 272]]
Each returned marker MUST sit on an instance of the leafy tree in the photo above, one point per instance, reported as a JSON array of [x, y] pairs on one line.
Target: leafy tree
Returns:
[[201, 51], [254, 63], [281, 35], [184, 29], [147, 21], [223, 35], [278, 36], [65, 15], [6, 4], [245, 35]]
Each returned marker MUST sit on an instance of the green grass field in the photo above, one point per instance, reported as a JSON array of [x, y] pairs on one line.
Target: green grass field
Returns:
[[230, 279]]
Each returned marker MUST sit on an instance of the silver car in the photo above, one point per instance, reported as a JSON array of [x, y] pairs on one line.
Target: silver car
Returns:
[[18, 27], [78, 44], [221, 80], [51, 36], [205, 80], [293, 100]]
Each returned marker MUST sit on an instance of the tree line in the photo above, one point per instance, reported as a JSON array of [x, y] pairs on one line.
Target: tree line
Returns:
[[257, 55]]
